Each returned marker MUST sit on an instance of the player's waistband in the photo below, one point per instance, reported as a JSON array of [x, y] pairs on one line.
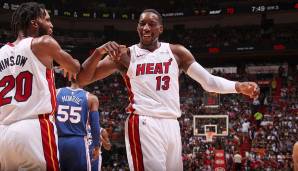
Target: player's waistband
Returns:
[[67, 136], [154, 116], [47, 116]]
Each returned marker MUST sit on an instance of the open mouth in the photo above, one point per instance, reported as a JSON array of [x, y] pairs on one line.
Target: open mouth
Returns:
[[146, 36]]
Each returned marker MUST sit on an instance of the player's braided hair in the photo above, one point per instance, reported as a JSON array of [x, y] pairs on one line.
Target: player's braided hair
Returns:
[[23, 15], [155, 12]]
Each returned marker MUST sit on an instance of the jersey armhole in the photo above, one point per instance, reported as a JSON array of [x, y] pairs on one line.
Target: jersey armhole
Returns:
[[132, 54], [33, 55], [173, 56]]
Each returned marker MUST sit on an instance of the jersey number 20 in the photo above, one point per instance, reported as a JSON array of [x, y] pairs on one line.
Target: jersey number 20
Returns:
[[71, 113], [23, 85]]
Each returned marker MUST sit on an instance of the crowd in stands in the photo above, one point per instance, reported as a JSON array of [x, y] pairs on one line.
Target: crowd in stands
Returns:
[[264, 143], [194, 39]]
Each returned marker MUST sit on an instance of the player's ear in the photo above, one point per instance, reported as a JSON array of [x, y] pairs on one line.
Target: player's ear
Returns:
[[161, 29], [34, 24]]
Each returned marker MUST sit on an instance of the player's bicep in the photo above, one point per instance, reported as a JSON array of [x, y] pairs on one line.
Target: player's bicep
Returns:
[[49, 47], [184, 56]]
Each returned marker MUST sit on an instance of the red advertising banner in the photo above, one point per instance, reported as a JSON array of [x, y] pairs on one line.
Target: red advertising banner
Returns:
[[219, 160]]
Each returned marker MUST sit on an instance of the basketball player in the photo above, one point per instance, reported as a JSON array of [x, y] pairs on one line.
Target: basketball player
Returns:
[[27, 91], [295, 156], [75, 109], [151, 70], [105, 143]]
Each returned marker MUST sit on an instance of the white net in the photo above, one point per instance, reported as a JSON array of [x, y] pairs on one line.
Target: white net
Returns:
[[209, 136]]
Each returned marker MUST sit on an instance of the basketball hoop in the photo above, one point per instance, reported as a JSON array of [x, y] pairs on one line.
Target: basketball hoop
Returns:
[[209, 136]]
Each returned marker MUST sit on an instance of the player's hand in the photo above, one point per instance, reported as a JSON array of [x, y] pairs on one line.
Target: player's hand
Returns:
[[106, 143], [113, 49], [95, 153], [250, 89], [68, 74]]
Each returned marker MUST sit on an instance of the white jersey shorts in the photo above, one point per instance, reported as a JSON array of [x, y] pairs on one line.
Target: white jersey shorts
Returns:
[[29, 144], [153, 144]]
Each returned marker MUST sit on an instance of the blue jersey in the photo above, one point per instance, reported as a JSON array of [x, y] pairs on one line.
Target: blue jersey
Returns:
[[72, 112]]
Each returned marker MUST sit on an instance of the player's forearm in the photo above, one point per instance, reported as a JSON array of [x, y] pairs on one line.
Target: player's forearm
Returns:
[[94, 124], [210, 82], [88, 69], [221, 85]]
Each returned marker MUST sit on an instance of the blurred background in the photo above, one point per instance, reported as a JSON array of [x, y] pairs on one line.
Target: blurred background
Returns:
[[245, 40]]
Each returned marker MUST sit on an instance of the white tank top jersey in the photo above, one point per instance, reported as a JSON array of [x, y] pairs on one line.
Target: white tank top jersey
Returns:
[[27, 87], [152, 81]]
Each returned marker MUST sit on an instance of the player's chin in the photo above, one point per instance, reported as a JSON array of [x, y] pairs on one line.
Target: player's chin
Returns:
[[146, 42]]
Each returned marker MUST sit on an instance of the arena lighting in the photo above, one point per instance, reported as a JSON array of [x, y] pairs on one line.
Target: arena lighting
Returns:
[[86, 14], [67, 13], [105, 15], [245, 48], [118, 14], [124, 16], [213, 50], [279, 47], [215, 12], [230, 10]]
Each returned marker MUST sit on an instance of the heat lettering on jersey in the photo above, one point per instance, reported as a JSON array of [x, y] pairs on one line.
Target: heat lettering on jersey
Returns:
[[11, 61], [71, 99], [153, 68]]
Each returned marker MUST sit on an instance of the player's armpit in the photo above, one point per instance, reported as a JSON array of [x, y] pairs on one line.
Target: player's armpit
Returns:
[[183, 56]]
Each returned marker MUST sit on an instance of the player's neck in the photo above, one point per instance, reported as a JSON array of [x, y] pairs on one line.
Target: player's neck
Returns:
[[152, 47], [74, 86], [22, 35]]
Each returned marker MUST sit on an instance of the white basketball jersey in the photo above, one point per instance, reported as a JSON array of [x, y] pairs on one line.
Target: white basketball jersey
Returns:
[[27, 87], [152, 81]]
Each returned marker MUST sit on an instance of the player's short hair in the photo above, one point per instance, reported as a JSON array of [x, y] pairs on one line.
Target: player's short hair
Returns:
[[23, 15], [155, 12], [73, 80]]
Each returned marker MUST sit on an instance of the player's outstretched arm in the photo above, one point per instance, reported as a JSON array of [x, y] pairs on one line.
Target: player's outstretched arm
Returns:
[[47, 49], [208, 81], [94, 68]]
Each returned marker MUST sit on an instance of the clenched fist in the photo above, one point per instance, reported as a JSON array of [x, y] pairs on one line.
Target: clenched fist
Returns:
[[250, 89]]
